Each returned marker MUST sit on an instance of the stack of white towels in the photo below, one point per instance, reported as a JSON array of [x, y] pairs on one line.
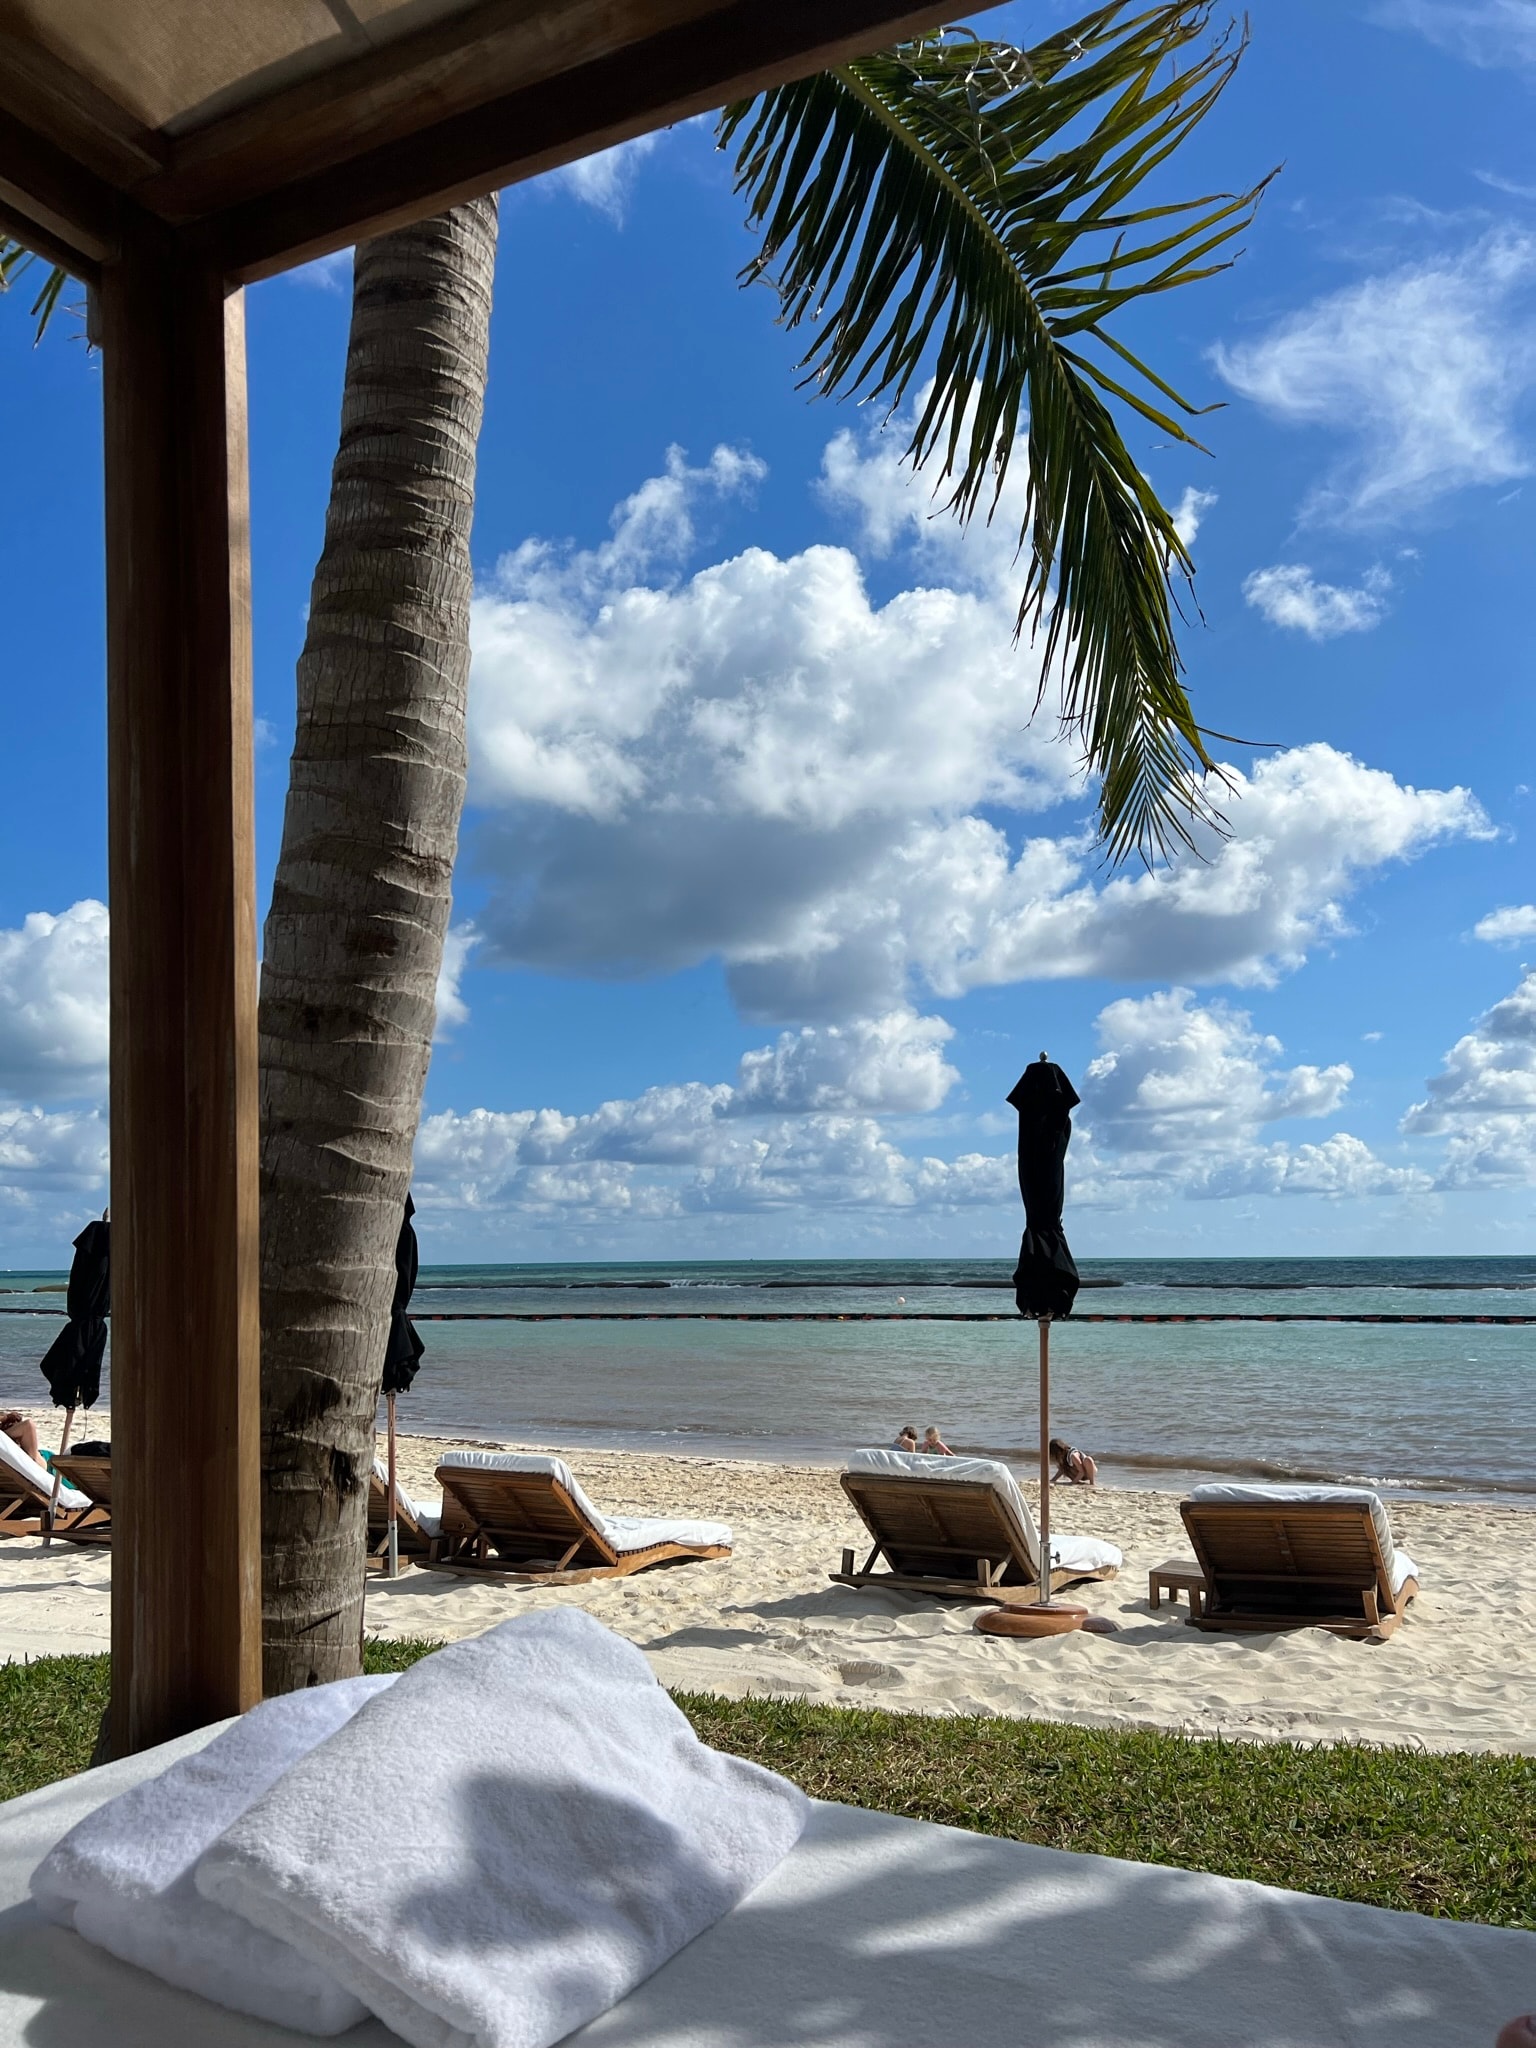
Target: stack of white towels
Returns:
[[486, 1851]]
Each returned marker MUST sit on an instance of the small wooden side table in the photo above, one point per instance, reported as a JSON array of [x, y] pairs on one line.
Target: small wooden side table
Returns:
[[1176, 1575]]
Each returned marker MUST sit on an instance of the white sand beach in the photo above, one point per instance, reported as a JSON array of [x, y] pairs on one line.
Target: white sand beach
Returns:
[[1459, 1674]]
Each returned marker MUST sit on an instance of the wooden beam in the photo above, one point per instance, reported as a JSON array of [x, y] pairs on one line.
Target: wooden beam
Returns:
[[480, 54], [185, 1326], [55, 198], [15, 223], [409, 83], [667, 74]]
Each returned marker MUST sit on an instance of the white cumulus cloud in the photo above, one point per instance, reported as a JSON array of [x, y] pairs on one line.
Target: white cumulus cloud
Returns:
[[1508, 925], [53, 1003], [1178, 1100], [890, 1063], [1483, 1100], [1289, 595], [1423, 370], [1177, 1105], [452, 1010], [45, 1153], [757, 763], [1189, 513]]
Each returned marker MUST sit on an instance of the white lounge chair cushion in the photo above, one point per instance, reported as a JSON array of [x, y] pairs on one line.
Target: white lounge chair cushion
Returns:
[[1068, 1553], [15, 1459], [426, 1521], [625, 1533], [1400, 1566]]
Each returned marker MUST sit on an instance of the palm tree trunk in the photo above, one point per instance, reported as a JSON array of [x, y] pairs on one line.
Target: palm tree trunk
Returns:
[[360, 905]]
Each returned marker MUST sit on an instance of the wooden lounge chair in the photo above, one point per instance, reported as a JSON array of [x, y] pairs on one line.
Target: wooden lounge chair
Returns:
[[26, 1494], [92, 1476], [958, 1528], [414, 1527], [1297, 1557], [521, 1516]]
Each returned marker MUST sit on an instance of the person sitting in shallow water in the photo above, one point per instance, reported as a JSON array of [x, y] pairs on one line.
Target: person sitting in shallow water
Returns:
[[932, 1441], [907, 1440], [1073, 1468]]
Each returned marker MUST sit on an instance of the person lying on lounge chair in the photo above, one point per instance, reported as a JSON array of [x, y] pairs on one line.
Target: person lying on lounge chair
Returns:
[[23, 1434], [1073, 1467]]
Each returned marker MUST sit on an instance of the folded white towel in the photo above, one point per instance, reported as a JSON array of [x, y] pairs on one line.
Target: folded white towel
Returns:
[[508, 1841], [123, 1877]]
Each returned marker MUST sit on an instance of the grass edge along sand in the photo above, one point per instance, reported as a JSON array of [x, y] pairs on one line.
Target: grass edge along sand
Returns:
[[1448, 1834]]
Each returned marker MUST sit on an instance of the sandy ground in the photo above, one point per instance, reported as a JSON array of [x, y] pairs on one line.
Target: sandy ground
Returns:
[[1459, 1674]]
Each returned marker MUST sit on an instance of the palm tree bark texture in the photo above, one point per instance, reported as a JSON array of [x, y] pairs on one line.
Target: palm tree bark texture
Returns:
[[360, 905]]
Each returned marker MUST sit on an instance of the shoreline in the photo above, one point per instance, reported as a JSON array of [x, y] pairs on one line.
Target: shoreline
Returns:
[[1459, 1674], [1152, 1475]]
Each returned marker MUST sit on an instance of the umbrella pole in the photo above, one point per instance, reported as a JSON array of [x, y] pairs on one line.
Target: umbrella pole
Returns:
[[58, 1477], [392, 1563], [1045, 1462]]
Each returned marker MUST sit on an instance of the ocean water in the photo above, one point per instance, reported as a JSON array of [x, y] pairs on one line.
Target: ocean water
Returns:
[[1432, 1409]]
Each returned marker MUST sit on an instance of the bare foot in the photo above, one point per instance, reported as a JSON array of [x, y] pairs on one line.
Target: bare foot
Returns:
[[1519, 2033]]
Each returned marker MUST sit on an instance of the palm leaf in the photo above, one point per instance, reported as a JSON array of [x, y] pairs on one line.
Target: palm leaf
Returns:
[[13, 260], [961, 211]]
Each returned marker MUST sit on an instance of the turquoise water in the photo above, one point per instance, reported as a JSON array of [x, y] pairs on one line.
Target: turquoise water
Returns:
[[1436, 1408]]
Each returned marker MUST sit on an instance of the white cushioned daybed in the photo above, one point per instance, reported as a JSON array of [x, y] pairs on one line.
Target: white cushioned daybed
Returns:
[[877, 1932]]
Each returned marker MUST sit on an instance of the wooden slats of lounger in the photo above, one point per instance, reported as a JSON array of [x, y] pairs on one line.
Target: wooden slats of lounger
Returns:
[[24, 1508], [1293, 1564], [958, 1538], [525, 1525]]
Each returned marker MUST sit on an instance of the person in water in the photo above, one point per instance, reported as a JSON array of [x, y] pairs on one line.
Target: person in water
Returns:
[[932, 1441], [907, 1439], [1073, 1467]]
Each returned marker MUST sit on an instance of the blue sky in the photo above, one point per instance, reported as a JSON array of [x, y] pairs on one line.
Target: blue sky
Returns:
[[767, 888]]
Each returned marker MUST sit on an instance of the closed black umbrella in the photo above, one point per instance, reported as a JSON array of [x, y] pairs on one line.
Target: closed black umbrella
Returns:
[[72, 1363], [402, 1356], [1045, 1279]]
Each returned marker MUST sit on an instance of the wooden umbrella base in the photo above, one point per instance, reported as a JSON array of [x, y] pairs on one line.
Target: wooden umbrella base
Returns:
[[1055, 1619]]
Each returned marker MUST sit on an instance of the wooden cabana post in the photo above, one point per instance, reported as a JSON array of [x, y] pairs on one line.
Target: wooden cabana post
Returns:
[[186, 1643], [168, 152]]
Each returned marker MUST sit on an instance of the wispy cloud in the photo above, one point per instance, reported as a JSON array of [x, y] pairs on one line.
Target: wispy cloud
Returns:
[[1289, 595], [1421, 373], [331, 273], [605, 181], [1495, 34], [1512, 186]]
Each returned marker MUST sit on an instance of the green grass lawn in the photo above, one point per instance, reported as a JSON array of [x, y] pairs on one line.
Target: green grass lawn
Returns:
[[1454, 1835]]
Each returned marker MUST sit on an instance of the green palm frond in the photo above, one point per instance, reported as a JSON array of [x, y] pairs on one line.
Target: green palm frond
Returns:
[[13, 260], [960, 211]]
